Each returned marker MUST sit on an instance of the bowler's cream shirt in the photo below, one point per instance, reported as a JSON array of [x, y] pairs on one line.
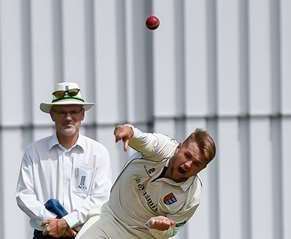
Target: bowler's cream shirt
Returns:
[[139, 193], [79, 177]]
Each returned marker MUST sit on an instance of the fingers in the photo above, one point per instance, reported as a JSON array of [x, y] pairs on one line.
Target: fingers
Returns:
[[160, 223], [150, 223], [45, 231], [172, 223], [116, 134], [54, 227], [123, 133], [44, 224], [70, 233], [125, 145], [47, 226], [124, 138], [119, 134]]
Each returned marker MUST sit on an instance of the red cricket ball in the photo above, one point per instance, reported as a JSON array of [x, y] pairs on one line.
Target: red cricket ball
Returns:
[[152, 22]]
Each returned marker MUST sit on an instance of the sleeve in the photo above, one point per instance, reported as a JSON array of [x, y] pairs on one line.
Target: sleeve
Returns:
[[25, 196], [98, 194], [153, 146]]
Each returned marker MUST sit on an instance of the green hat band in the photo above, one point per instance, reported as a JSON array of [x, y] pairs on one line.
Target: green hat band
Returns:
[[68, 97]]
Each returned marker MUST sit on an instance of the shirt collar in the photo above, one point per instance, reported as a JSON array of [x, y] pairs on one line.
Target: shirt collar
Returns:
[[80, 142], [186, 185], [53, 141], [183, 185]]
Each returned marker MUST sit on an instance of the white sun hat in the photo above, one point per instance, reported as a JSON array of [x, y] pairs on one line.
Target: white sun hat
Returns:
[[66, 93]]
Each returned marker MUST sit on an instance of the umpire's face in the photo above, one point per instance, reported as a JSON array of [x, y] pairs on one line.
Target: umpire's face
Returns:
[[67, 119], [186, 162]]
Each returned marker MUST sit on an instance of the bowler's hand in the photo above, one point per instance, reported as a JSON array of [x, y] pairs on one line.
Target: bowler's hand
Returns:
[[160, 223], [57, 228], [70, 233], [124, 133]]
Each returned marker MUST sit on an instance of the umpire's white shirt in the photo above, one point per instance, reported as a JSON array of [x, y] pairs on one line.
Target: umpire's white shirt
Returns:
[[79, 177], [139, 193]]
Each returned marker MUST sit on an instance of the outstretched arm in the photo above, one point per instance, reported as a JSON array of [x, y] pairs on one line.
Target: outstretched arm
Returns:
[[153, 146]]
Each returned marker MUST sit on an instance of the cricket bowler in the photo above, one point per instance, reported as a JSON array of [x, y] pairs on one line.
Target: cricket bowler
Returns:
[[157, 191]]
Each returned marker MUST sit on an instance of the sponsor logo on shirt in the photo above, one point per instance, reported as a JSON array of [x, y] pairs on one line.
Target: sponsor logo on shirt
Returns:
[[145, 194], [149, 171], [170, 199]]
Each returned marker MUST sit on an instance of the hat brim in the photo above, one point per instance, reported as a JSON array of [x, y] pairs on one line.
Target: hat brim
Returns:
[[46, 107]]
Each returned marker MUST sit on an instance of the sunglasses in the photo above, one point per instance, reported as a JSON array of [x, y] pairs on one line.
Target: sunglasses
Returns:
[[73, 113], [62, 93]]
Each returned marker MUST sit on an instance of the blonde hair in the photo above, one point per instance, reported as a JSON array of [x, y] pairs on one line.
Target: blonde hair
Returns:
[[204, 142]]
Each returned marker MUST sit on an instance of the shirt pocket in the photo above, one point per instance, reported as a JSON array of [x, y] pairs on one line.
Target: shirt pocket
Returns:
[[82, 181]]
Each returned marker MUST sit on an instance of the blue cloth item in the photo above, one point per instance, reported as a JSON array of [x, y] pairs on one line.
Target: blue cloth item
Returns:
[[54, 206]]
